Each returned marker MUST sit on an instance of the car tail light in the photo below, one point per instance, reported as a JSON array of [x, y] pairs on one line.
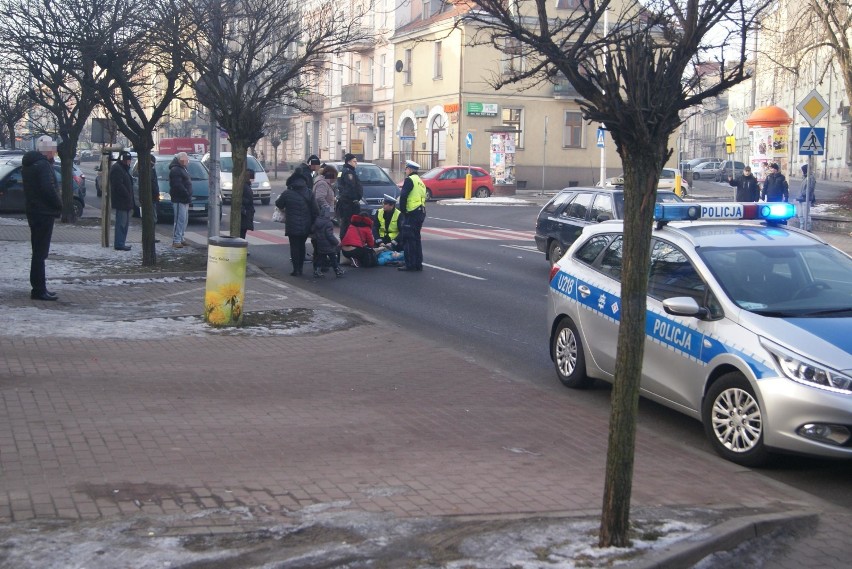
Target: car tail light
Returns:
[[553, 270]]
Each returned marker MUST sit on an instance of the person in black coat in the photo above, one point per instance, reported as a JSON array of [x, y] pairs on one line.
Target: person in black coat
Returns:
[[349, 193], [180, 190], [775, 187], [42, 205], [247, 206], [121, 195], [299, 208], [748, 190]]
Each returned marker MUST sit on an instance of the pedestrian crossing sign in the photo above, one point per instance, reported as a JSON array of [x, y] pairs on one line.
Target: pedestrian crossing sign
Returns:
[[811, 141]]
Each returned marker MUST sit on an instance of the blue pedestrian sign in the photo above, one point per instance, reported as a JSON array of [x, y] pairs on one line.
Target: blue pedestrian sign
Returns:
[[601, 137], [811, 141], [468, 140]]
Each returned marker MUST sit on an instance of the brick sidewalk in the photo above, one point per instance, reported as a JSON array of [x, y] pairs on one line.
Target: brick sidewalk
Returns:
[[175, 425]]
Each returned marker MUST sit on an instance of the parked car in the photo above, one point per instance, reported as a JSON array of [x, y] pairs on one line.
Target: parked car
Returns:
[[563, 218], [449, 182], [376, 183], [729, 169], [706, 170], [12, 187], [261, 187], [200, 188], [667, 181], [690, 164], [747, 330]]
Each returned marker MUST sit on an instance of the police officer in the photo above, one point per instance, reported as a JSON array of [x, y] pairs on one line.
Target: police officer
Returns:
[[412, 205], [386, 225], [349, 193]]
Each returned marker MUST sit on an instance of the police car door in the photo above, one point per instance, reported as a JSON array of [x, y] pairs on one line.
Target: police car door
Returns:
[[672, 367]]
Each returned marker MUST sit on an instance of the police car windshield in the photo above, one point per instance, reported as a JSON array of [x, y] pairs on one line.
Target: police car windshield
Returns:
[[805, 281]]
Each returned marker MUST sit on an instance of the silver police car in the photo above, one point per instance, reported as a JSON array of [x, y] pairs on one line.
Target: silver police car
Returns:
[[749, 326]]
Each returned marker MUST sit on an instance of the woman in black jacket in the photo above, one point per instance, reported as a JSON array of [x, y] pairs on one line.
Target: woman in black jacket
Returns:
[[299, 208]]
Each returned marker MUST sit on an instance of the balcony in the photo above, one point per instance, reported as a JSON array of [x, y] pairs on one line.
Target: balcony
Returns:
[[358, 93], [564, 90]]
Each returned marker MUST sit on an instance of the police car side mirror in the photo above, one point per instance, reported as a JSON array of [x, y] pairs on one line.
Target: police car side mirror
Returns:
[[603, 217], [684, 306]]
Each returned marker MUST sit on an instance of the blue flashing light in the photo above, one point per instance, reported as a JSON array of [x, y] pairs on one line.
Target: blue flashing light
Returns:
[[774, 212]]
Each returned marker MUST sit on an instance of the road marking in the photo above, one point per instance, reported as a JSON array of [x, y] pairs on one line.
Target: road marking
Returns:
[[465, 233], [529, 248], [454, 272]]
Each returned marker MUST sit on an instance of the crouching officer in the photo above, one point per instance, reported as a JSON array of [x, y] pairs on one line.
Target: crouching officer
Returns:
[[412, 205], [386, 225]]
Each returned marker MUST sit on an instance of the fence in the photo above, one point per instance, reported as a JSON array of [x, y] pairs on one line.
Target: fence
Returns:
[[427, 160]]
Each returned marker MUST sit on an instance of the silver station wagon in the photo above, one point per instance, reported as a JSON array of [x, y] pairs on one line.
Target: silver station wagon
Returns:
[[749, 326]]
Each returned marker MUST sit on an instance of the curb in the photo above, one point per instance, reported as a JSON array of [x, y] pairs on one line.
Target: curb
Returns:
[[724, 537]]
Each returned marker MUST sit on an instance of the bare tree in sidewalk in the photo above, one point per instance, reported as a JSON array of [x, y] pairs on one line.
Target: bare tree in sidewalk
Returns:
[[14, 102], [635, 75], [53, 46], [144, 70], [253, 56]]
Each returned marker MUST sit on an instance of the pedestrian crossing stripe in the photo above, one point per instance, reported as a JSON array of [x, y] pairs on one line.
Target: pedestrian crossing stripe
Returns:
[[277, 237]]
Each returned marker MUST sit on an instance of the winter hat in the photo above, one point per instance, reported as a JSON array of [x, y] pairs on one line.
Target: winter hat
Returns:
[[313, 160], [348, 156], [805, 169], [45, 143], [774, 166]]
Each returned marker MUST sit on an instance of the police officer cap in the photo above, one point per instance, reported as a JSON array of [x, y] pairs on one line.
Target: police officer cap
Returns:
[[389, 200], [412, 164]]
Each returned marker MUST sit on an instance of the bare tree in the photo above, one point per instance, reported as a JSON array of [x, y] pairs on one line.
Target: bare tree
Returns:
[[635, 77], [53, 45], [144, 71], [14, 103], [253, 56]]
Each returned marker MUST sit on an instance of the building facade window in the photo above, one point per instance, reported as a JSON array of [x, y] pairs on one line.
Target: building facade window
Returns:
[[407, 67], [572, 134], [439, 64], [513, 60], [383, 70], [514, 117], [567, 4]]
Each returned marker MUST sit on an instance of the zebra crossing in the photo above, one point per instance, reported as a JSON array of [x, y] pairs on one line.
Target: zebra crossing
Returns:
[[277, 237]]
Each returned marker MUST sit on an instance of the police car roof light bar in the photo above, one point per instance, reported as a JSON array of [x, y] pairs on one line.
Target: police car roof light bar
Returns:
[[772, 212]]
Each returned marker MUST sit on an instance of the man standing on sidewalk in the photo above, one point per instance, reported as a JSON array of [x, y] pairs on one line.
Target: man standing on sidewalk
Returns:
[[43, 206], [180, 189], [121, 195]]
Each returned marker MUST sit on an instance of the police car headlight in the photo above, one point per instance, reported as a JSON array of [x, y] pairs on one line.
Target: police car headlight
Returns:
[[807, 372], [265, 185], [227, 185]]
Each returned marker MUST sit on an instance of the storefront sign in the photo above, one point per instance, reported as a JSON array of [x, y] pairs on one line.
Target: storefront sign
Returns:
[[482, 109], [421, 111], [363, 118], [451, 108]]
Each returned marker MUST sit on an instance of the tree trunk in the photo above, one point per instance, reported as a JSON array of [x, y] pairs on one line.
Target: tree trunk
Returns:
[[239, 149], [146, 201], [641, 179], [66, 156]]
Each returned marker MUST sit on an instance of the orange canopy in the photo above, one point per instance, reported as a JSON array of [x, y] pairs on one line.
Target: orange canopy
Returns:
[[769, 116]]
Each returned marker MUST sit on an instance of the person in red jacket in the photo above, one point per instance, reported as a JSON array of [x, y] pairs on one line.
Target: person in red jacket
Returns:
[[358, 243]]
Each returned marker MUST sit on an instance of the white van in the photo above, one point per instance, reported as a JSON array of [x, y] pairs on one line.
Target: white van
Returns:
[[261, 187]]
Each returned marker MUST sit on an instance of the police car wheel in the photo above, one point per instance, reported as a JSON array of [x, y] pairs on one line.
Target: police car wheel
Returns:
[[733, 421], [567, 351], [554, 252]]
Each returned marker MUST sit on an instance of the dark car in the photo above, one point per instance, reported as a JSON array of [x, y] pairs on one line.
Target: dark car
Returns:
[[563, 218], [729, 169], [200, 188], [12, 187], [376, 184], [449, 182]]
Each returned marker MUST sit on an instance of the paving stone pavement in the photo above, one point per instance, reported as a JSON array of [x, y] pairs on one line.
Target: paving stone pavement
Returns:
[[175, 425]]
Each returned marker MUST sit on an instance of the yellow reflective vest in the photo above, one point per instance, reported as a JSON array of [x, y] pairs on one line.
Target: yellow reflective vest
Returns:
[[392, 230], [417, 195]]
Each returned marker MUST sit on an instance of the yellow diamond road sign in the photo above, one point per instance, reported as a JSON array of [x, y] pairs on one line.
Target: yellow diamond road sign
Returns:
[[813, 107], [730, 124]]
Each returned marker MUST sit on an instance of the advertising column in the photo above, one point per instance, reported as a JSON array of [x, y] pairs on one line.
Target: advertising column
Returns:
[[770, 140]]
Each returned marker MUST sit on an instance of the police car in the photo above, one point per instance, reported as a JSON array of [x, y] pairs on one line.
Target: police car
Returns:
[[749, 326]]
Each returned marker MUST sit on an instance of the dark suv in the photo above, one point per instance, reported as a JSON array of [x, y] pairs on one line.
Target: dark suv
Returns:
[[563, 218]]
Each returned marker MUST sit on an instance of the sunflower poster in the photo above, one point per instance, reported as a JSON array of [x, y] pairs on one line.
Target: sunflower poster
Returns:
[[224, 296]]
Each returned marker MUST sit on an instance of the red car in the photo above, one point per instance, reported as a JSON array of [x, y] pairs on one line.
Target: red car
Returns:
[[448, 182]]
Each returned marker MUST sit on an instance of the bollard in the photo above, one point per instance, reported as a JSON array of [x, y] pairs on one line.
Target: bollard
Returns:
[[225, 293]]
